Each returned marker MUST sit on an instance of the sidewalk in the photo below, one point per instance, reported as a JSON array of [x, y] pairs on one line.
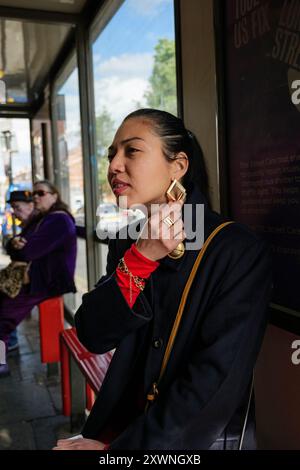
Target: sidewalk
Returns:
[[30, 402]]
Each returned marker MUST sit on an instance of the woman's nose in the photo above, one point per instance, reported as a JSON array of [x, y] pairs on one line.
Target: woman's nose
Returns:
[[117, 163]]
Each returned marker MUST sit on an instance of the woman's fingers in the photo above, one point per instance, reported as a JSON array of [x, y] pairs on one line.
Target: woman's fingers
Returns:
[[78, 444], [171, 213], [172, 209], [19, 242], [177, 230], [62, 443], [159, 236], [19, 245], [65, 444], [169, 232]]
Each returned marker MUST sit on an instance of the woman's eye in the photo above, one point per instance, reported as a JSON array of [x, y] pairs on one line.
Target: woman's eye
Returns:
[[128, 151], [132, 150]]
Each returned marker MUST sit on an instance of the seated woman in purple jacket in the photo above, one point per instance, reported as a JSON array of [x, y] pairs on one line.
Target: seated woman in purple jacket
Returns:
[[49, 244]]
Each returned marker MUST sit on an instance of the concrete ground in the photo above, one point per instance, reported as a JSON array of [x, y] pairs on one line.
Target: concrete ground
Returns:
[[30, 400]]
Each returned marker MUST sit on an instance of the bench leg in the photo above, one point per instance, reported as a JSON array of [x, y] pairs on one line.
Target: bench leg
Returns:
[[65, 379], [90, 397], [77, 396], [52, 369]]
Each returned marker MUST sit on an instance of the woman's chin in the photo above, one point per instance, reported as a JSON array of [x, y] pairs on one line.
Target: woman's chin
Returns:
[[126, 202], [41, 209], [123, 202], [131, 202]]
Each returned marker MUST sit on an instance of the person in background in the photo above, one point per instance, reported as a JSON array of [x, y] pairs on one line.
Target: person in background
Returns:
[[49, 244], [22, 204]]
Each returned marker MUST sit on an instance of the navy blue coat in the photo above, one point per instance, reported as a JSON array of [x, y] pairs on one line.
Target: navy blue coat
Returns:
[[206, 382]]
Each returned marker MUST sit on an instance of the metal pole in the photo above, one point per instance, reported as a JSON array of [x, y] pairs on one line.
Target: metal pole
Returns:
[[7, 140], [91, 194]]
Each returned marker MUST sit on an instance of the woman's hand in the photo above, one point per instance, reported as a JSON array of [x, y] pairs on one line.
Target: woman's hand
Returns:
[[157, 239], [18, 243], [79, 444]]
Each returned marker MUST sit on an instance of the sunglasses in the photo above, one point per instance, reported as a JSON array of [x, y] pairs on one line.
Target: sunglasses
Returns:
[[40, 193]]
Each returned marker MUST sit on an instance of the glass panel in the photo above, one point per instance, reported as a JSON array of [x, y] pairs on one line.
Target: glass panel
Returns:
[[38, 154], [15, 169], [12, 61], [27, 51], [74, 301], [70, 168], [45, 42], [68, 6], [69, 145], [134, 67]]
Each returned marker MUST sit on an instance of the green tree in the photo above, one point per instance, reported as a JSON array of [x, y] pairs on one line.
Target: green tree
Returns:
[[162, 92], [105, 128]]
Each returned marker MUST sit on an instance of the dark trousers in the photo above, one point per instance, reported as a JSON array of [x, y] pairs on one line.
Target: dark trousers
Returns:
[[13, 311]]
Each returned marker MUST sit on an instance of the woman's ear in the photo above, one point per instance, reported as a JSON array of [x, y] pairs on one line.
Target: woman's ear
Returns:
[[180, 165]]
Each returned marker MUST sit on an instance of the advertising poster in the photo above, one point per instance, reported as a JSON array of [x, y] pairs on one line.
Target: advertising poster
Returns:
[[262, 43]]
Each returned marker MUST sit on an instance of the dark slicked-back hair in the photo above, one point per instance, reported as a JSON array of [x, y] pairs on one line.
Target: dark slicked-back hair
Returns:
[[176, 138]]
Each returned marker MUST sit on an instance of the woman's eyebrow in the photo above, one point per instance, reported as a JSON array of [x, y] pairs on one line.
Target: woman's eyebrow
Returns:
[[125, 141], [131, 138]]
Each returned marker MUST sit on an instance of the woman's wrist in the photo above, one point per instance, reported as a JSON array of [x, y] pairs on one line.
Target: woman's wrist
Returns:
[[138, 252], [132, 272], [150, 253]]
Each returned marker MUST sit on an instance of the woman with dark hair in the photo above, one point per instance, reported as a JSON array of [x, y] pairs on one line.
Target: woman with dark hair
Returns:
[[186, 323], [48, 245]]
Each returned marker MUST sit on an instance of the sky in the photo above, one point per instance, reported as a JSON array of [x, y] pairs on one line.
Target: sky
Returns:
[[122, 65], [122, 59], [123, 54]]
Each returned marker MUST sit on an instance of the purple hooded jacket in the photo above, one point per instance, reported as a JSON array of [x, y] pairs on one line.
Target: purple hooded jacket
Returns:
[[51, 247]]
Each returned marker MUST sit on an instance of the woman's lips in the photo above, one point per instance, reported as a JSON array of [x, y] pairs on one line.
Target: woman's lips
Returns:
[[120, 188]]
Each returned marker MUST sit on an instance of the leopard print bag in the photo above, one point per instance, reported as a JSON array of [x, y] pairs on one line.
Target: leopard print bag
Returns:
[[13, 277]]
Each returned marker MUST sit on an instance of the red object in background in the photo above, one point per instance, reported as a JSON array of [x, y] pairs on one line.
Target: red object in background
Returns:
[[51, 324]]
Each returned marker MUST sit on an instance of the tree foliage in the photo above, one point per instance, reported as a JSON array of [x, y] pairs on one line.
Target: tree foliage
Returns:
[[105, 127], [162, 91], [161, 95]]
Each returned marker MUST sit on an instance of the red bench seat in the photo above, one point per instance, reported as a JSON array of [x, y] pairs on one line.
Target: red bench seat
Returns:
[[92, 366]]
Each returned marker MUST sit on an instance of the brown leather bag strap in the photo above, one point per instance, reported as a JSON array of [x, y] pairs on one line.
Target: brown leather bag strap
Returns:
[[154, 392]]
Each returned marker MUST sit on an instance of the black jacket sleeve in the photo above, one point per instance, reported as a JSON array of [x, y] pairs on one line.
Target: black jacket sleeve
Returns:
[[205, 395], [9, 248], [105, 318]]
